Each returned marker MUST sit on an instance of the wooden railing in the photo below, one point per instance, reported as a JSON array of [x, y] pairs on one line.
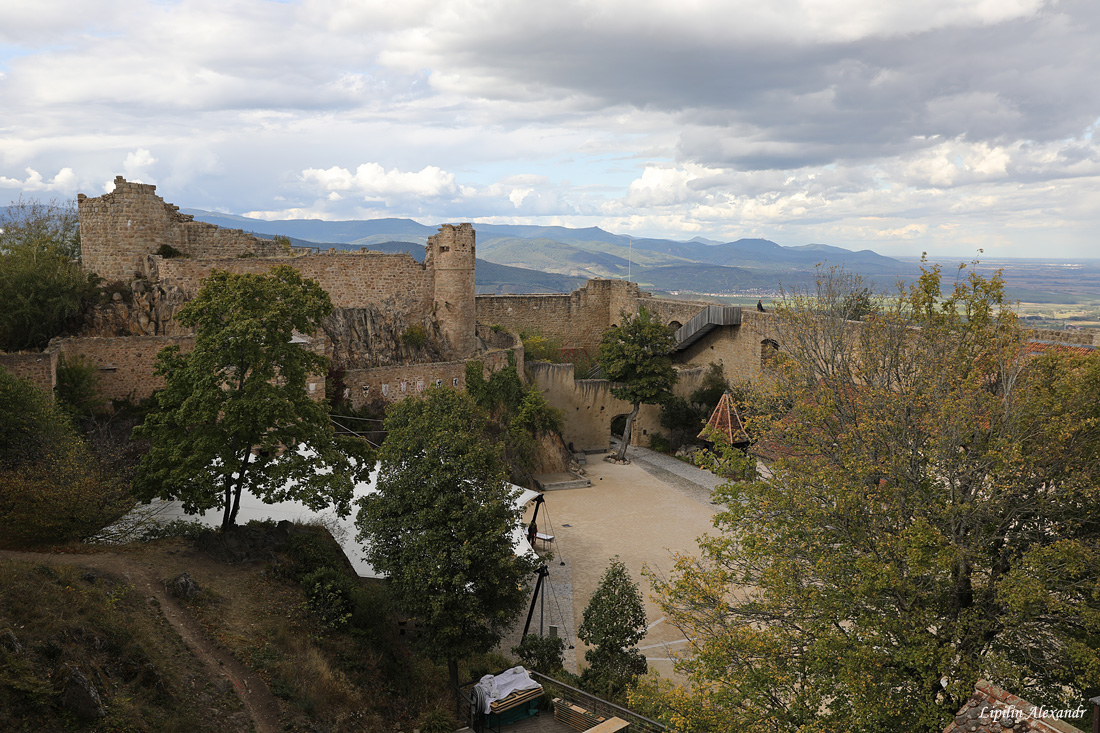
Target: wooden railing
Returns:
[[596, 705]]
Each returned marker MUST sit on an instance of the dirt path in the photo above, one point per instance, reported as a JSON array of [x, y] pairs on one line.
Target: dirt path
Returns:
[[253, 692]]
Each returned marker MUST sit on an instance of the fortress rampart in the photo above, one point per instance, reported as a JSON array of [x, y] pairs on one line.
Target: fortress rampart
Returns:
[[395, 281], [589, 407], [379, 299], [119, 228], [123, 232], [394, 383], [125, 363], [577, 320], [40, 369]]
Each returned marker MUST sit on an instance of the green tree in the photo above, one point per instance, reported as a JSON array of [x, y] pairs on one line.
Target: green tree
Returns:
[[614, 622], [518, 414], [636, 358], [930, 516], [234, 414], [78, 386], [441, 526], [52, 488], [42, 285]]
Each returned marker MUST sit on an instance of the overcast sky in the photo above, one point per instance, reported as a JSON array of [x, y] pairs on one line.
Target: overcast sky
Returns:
[[899, 126]]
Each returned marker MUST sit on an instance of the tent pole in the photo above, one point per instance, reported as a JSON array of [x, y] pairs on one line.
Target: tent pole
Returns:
[[543, 571]]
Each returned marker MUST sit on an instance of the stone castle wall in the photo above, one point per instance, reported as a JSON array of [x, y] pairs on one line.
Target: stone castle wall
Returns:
[[577, 320], [119, 228], [589, 407], [394, 281], [1084, 336], [125, 363], [38, 368], [739, 349], [122, 232], [395, 383], [669, 311]]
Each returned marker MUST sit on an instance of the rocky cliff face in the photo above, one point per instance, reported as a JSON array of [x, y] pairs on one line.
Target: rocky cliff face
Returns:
[[360, 338], [363, 338], [145, 309]]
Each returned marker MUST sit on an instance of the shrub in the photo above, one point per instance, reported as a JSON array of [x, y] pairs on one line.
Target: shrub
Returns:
[[328, 594], [725, 461], [541, 653], [415, 336], [537, 347], [52, 488], [167, 251], [78, 386], [713, 387], [189, 528], [311, 551], [536, 416], [659, 443], [437, 720], [682, 419]]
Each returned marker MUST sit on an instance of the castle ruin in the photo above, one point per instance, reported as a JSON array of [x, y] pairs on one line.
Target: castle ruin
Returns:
[[398, 325]]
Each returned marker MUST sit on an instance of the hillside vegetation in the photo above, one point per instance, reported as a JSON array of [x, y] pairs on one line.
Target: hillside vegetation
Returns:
[[275, 608]]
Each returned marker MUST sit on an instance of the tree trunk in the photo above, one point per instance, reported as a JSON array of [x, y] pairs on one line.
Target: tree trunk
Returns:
[[626, 431], [227, 512], [452, 672], [236, 505], [229, 520]]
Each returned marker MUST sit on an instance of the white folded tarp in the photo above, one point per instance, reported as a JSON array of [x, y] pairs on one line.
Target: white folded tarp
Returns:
[[343, 529]]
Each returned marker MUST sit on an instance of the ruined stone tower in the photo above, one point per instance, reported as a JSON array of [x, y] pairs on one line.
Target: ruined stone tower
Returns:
[[451, 256], [118, 230]]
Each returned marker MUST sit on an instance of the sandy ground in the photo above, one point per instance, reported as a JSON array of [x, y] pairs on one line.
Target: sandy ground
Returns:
[[642, 512]]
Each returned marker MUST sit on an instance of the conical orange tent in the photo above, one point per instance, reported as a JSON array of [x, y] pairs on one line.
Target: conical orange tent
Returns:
[[726, 422]]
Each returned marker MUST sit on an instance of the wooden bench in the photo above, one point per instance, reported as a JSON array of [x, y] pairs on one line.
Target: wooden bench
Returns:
[[610, 725], [546, 539], [575, 717], [514, 700]]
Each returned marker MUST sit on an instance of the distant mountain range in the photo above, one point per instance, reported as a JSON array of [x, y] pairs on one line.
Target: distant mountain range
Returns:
[[523, 258]]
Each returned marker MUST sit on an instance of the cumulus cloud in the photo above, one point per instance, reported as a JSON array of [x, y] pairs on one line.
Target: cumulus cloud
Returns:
[[137, 164], [370, 180], [853, 122], [64, 182]]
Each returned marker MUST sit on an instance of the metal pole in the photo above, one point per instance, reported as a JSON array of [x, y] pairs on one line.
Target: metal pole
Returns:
[[542, 608], [543, 571]]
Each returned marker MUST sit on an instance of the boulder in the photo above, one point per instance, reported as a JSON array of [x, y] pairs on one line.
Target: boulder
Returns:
[[184, 586], [80, 696], [10, 641]]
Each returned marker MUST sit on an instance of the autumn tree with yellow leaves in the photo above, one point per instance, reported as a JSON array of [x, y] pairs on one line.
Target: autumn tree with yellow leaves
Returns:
[[931, 518]]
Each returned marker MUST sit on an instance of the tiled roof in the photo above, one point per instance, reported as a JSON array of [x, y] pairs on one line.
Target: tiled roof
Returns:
[[1043, 347], [992, 710], [726, 422]]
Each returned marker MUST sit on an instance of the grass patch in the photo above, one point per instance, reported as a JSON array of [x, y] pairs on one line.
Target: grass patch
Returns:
[[56, 618]]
